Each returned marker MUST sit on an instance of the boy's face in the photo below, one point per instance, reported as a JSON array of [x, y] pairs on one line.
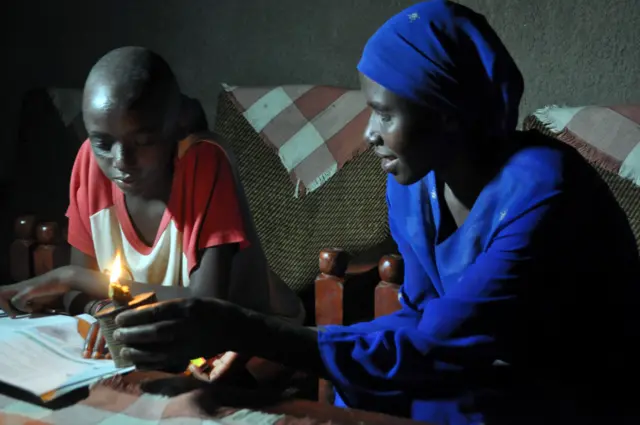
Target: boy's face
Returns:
[[133, 145]]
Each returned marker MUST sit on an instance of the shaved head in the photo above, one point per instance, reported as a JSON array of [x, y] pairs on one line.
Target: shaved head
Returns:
[[131, 109], [132, 78]]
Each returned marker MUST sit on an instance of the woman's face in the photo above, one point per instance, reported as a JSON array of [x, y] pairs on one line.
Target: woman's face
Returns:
[[409, 138]]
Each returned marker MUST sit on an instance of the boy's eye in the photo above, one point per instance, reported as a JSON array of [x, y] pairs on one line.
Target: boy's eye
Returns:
[[146, 140], [102, 144]]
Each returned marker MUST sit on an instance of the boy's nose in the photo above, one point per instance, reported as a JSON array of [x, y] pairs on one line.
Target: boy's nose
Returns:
[[123, 159]]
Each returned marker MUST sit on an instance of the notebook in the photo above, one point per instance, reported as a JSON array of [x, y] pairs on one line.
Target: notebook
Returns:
[[43, 355]]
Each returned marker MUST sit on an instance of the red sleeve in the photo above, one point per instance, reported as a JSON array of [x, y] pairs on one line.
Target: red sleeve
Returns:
[[89, 193], [213, 215], [78, 211]]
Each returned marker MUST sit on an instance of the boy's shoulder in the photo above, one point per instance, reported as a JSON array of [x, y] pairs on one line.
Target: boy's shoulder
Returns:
[[201, 156], [203, 146]]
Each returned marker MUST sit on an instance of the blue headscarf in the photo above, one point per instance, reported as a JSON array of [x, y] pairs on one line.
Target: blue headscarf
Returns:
[[447, 57]]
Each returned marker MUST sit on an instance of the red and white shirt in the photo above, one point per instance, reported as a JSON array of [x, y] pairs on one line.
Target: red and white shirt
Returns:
[[203, 211]]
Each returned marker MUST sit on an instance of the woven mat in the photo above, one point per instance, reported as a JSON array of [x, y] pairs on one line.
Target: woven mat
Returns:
[[626, 192], [349, 211]]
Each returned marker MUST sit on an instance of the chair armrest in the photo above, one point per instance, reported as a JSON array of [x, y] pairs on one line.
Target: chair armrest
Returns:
[[37, 248], [348, 281], [341, 279]]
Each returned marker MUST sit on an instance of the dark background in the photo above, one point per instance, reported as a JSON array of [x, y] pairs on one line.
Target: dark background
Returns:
[[570, 52]]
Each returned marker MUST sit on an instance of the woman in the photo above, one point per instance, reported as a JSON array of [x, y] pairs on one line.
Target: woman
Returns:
[[520, 296]]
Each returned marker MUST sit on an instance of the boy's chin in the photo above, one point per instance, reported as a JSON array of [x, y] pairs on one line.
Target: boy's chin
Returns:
[[132, 190]]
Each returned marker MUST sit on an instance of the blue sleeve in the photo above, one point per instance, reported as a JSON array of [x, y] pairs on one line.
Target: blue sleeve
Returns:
[[455, 330]]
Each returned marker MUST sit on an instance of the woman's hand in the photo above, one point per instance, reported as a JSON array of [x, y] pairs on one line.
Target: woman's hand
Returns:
[[36, 294], [169, 334]]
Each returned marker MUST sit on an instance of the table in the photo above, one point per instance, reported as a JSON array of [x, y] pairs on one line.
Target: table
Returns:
[[120, 403]]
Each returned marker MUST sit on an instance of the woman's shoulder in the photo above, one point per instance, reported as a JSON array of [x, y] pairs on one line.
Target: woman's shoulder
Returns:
[[543, 162]]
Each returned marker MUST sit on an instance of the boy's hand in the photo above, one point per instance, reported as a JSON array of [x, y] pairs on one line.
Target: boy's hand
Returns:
[[169, 334], [95, 346], [221, 367], [36, 294]]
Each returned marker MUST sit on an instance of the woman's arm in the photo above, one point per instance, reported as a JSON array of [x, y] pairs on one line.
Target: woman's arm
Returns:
[[454, 332]]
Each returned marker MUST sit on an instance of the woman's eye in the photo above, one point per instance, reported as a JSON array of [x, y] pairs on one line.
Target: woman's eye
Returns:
[[385, 117]]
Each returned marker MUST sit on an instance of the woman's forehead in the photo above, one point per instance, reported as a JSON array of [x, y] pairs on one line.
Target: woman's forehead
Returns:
[[375, 93]]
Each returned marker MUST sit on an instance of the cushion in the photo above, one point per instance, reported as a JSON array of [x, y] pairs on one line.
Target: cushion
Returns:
[[348, 211], [608, 138], [314, 129]]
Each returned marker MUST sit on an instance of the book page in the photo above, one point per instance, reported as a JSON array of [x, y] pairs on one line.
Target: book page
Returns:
[[45, 354]]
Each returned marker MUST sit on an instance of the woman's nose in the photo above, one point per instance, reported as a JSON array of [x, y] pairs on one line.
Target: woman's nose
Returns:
[[372, 134]]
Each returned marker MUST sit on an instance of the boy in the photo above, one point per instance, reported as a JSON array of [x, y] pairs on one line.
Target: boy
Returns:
[[167, 200]]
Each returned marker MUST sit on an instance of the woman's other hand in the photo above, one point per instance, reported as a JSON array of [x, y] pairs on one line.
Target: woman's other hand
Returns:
[[38, 293], [169, 334]]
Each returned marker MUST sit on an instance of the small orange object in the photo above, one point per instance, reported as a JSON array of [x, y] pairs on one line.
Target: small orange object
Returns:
[[199, 362]]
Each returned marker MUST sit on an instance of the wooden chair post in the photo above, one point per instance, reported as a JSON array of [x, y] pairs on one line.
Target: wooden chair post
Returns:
[[329, 294], [52, 251], [21, 250], [391, 269]]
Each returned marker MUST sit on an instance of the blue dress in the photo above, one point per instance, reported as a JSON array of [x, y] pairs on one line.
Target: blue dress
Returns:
[[529, 310]]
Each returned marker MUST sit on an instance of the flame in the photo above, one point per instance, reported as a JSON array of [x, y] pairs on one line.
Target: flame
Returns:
[[116, 270]]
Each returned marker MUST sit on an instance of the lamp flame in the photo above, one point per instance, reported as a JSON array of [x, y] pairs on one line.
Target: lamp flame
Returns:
[[119, 293], [116, 270]]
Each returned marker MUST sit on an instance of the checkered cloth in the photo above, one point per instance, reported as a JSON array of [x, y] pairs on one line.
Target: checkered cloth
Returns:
[[314, 129], [107, 405], [608, 137]]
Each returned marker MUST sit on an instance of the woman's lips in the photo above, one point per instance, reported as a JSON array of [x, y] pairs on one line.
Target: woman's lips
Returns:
[[388, 161]]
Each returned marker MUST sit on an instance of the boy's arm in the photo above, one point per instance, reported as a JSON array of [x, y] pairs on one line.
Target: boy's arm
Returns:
[[75, 302], [211, 277], [80, 259], [89, 284]]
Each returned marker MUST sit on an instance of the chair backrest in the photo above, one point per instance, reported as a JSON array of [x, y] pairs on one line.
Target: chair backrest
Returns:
[[349, 211]]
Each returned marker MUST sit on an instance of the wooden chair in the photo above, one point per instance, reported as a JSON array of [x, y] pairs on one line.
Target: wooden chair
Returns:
[[351, 290], [37, 248]]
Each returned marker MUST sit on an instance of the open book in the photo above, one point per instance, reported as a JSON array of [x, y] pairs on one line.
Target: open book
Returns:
[[43, 356]]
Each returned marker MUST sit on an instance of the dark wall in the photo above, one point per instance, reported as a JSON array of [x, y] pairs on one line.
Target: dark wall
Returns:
[[570, 52]]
